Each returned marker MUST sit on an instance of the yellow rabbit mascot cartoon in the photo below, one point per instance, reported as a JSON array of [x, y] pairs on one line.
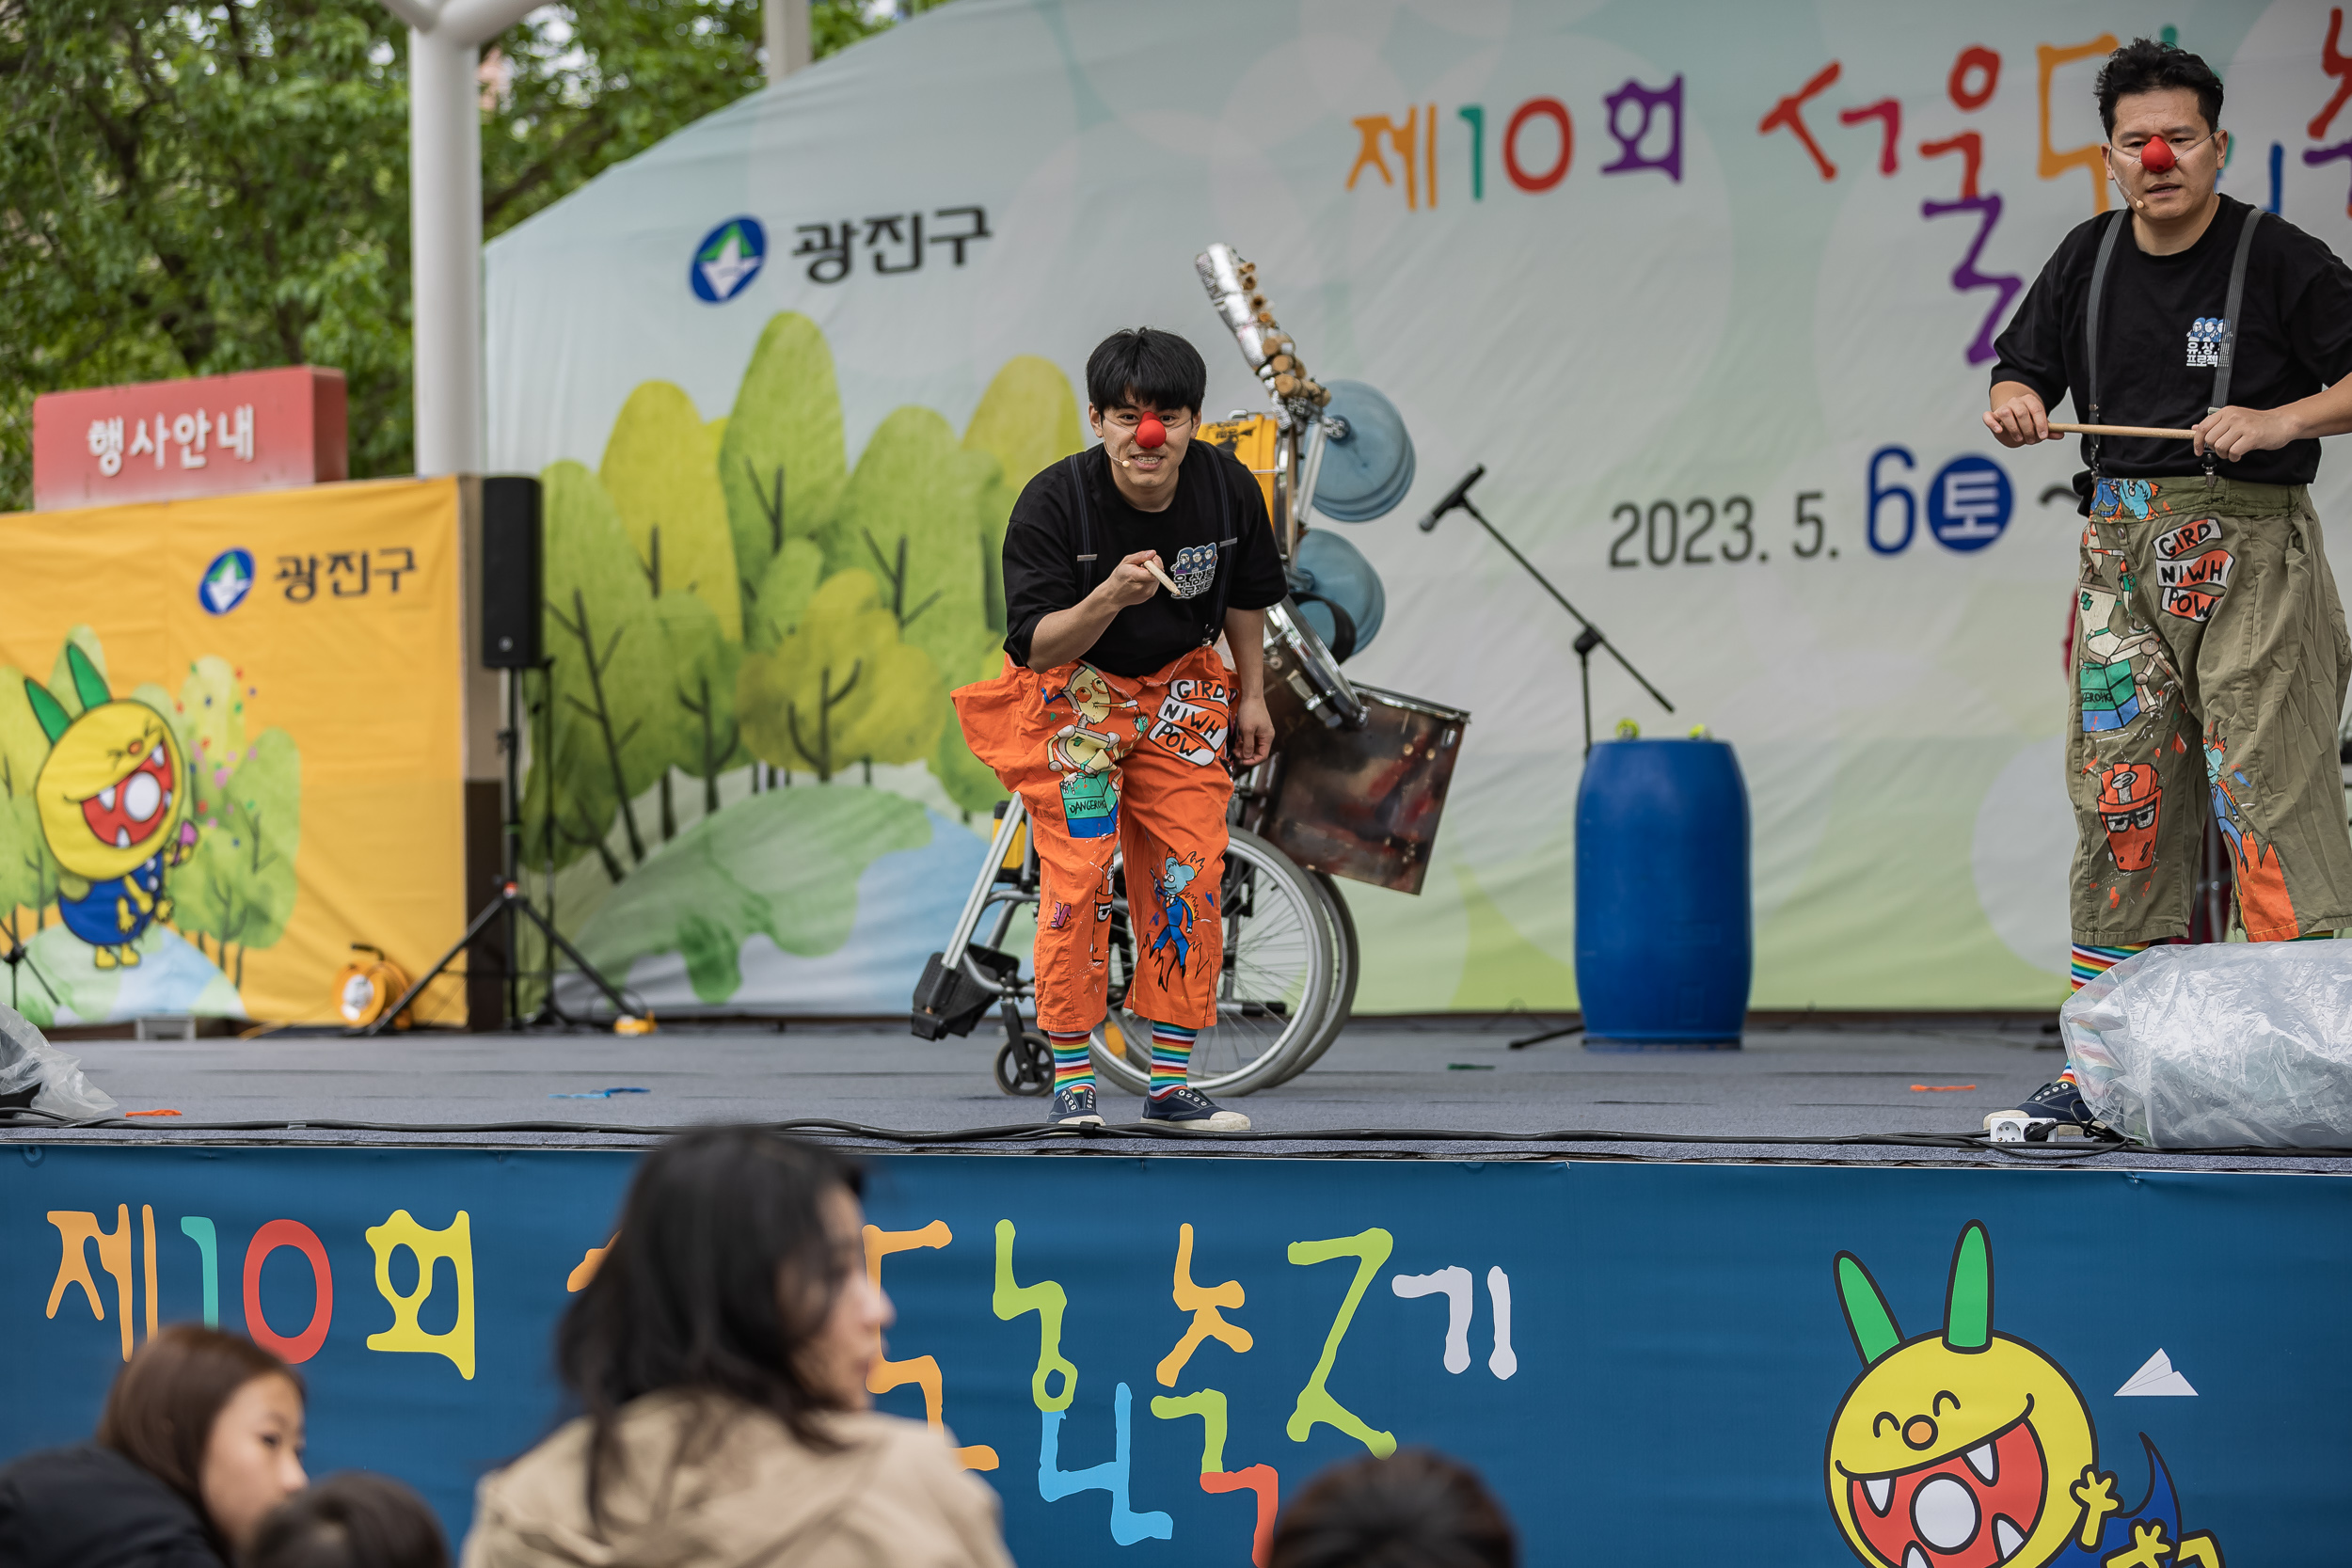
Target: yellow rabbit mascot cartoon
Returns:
[[114, 808]]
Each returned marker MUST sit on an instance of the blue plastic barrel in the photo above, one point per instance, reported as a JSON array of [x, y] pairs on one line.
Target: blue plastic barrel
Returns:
[[1664, 935]]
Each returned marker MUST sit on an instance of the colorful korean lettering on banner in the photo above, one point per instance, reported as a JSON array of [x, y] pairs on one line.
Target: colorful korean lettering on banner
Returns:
[[1712, 294], [231, 736], [1834, 1377]]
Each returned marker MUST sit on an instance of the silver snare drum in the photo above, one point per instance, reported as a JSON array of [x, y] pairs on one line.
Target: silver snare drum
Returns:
[[1304, 687], [1364, 802]]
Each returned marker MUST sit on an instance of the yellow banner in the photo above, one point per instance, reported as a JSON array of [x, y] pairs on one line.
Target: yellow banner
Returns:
[[232, 747]]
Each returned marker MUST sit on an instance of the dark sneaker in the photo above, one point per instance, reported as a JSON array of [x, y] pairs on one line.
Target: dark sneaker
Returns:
[[2056, 1110], [1075, 1107], [1193, 1111]]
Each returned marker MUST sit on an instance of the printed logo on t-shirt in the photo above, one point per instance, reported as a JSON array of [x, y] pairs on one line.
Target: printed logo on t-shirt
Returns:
[[1193, 570], [2204, 341]]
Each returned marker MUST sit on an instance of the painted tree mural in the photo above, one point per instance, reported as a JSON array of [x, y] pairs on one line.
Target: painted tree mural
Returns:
[[738, 614]]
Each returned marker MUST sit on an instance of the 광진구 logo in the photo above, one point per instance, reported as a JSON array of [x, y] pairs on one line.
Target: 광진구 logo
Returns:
[[729, 259], [226, 581]]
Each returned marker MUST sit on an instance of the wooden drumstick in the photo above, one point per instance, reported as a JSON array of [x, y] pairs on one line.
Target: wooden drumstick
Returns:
[[2124, 430], [1168, 582]]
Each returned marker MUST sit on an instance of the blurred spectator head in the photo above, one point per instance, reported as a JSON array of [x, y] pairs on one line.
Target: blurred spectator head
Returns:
[[353, 1520], [738, 1269], [1413, 1510], [215, 1417]]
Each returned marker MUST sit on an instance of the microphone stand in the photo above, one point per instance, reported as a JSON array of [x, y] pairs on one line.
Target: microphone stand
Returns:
[[1590, 638]]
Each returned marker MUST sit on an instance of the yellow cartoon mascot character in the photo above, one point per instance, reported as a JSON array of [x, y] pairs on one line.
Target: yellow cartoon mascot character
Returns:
[[1963, 1448], [114, 808]]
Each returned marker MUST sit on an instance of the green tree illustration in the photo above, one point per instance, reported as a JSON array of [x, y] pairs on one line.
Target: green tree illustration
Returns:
[[28, 872], [608, 688], [841, 688], [782, 462], [911, 516], [784, 591], [240, 885], [1027, 418], [704, 738], [661, 470]]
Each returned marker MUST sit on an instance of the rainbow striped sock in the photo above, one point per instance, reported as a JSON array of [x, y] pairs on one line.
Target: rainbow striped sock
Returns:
[[1073, 1065], [1171, 1057], [2092, 962]]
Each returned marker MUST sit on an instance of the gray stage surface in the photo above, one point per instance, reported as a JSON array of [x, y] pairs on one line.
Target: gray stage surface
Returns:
[[1793, 1094]]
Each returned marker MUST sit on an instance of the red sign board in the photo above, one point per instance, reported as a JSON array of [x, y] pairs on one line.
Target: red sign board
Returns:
[[207, 435]]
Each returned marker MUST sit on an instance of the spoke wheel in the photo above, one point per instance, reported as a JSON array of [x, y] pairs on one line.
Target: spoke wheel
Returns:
[[1274, 993], [1344, 971]]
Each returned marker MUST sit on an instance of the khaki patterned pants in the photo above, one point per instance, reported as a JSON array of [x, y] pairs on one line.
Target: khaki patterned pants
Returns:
[[2210, 663]]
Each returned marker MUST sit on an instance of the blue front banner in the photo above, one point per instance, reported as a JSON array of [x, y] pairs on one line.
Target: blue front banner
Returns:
[[1651, 1363]]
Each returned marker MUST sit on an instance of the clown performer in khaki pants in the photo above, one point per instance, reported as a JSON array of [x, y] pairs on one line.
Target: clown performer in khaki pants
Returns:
[[2210, 657], [1124, 566]]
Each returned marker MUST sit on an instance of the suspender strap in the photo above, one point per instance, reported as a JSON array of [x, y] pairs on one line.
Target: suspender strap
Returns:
[[1228, 552], [2090, 328], [1090, 562], [2230, 320]]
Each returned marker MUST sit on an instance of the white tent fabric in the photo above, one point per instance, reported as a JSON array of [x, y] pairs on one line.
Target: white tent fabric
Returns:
[[1684, 332]]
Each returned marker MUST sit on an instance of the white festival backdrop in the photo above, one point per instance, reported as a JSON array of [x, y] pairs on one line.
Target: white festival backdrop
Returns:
[[1708, 288]]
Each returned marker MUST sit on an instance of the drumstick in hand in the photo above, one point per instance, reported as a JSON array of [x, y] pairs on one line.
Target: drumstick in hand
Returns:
[[2124, 430], [1152, 565]]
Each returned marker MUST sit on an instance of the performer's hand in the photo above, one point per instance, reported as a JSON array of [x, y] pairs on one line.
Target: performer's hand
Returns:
[[1131, 581], [2234, 431], [2020, 422], [1253, 732]]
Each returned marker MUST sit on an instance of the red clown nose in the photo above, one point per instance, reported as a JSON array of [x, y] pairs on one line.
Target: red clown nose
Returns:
[[2157, 156], [1151, 434]]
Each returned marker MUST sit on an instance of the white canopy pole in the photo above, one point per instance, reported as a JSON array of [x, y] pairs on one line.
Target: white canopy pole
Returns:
[[790, 46], [445, 40]]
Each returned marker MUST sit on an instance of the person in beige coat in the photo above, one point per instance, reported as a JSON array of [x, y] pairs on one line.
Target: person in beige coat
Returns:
[[719, 1355]]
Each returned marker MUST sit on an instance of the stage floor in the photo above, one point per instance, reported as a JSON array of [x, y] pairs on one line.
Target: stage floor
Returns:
[[1384, 1089]]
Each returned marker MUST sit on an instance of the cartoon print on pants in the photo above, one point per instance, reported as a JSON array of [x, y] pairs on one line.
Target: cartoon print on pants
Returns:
[[1172, 945], [114, 810], [2131, 802], [1966, 1448], [2187, 585], [1083, 755], [2131, 497], [2114, 689], [2263, 904]]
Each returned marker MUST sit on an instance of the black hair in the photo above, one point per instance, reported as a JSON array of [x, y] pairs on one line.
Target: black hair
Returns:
[[353, 1520], [1144, 365], [2144, 65], [1414, 1510], [689, 1293]]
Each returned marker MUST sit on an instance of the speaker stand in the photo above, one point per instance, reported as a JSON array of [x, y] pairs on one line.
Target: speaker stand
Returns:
[[509, 903]]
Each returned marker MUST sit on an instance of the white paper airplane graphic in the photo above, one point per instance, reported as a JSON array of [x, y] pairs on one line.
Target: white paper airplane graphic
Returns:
[[2156, 1377], [724, 273]]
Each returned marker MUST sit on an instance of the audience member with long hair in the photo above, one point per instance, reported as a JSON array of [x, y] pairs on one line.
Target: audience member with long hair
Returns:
[[1412, 1510], [201, 1437], [353, 1520], [720, 1357]]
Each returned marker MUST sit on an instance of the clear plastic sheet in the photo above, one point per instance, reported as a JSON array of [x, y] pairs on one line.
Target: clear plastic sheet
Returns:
[[2219, 1045], [27, 1058]]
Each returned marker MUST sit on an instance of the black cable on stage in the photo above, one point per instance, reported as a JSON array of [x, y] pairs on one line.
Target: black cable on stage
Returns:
[[1033, 1133]]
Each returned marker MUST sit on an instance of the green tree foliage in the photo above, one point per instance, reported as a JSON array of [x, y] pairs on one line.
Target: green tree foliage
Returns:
[[789, 583], [1027, 418], [660, 469], [239, 886], [28, 872], [781, 459], [911, 516], [607, 687], [704, 736], [841, 688], [190, 190]]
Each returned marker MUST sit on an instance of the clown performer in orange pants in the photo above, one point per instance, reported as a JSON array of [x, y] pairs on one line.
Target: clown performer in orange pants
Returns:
[[1116, 709]]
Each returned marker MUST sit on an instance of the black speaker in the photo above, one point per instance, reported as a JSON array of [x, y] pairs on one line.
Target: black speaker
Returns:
[[510, 586]]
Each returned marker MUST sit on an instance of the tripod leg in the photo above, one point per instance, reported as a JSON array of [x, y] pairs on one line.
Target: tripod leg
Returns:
[[580, 961], [1547, 1035], [415, 987]]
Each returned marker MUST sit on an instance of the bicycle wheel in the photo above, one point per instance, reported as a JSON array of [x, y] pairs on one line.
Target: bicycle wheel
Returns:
[[1273, 992], [1344, 972]]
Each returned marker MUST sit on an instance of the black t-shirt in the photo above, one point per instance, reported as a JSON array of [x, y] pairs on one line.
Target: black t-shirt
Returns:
[[2158, 332], [88, 1507], [1043, 574]]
